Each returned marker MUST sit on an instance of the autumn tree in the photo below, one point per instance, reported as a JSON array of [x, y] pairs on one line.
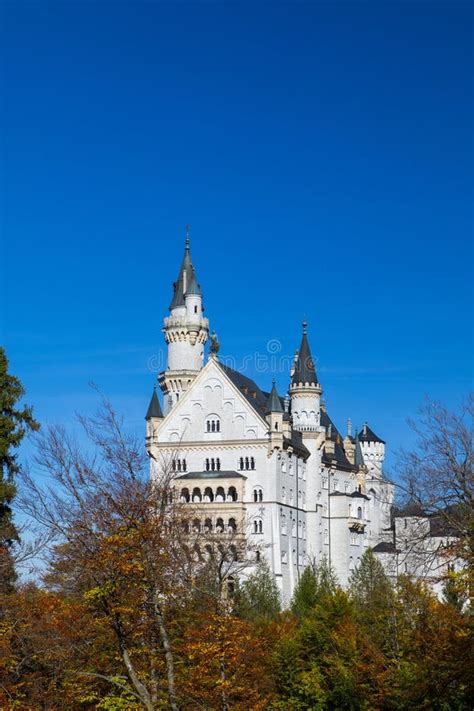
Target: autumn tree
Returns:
[[15, 422], [126, 549]]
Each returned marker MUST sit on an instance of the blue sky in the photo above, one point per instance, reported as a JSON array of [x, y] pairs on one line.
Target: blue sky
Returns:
[[322, 154]]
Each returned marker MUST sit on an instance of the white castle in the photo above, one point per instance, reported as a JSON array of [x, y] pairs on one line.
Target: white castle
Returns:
[[277, 465]]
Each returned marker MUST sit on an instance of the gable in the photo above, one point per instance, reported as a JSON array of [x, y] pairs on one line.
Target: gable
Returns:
[[214, 397]]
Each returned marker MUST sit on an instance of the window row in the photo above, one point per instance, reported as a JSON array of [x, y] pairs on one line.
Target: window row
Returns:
[[209, 552], [284, 557], [246, 463], [212, 464], [178, 465], [208, 495], [213, 426], [208, 526], [301, 496], [301, 527]]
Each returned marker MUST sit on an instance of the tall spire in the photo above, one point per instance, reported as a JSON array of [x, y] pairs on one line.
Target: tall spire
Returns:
[[274, 402], [185, 276], [304, 372]]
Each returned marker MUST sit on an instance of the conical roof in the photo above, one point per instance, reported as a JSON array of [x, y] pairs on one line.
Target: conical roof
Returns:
[[193, 286], [274, 402], [305, 372], [367, 435], [154, 408], [358, 456], [184, 280]]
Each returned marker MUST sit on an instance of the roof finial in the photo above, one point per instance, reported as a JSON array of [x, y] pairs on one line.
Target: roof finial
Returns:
[[186, 241], [305, 326], [349, 427]]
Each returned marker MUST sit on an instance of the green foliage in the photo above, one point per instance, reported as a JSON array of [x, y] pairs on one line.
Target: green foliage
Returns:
[[315, 582], [258, 598], [14, 423], [454, 590]]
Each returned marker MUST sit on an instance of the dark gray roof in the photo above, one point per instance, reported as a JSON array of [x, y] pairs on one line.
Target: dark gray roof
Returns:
[[249, 388], [305, 372], [274, 402], [296, 442], [212, 475], [185, 277], [368, 435], [359, 495], [385, 547], [358, 458], [193, 287], [339, 454], [154, 409]]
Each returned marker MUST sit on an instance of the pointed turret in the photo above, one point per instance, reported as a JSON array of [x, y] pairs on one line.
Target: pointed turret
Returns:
[[305, 389], [186, 332], [193, 287], [185, 276], [372, 448], [154, 408], [274, 415], [274, 402], [304, 371]]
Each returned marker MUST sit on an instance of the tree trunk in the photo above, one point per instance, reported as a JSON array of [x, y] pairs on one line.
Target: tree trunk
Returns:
[[165, 640]]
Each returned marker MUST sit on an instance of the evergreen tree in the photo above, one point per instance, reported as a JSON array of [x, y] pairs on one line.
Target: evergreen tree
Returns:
[[373, 595], [315, 582], [14, 423], [258, 597], [306, 593]]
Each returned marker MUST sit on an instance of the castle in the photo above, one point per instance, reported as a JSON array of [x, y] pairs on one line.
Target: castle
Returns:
[[277, 465]]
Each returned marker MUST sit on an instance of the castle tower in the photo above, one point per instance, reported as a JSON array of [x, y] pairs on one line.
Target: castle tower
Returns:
[[154, 414], [373, 451], [186, 332], [305, 390], [274, 416]]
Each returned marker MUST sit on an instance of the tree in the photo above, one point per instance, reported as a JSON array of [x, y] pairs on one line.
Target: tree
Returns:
[[315, 581], [306, 593], [258, 597], [373, 596], [125, 549], [15, 422], [438, 475]]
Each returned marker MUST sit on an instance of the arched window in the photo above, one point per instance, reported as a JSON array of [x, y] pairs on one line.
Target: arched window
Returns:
[[196, 525], [208, 525], [232, 494], [241, 463], [220, 525], [208, 494], [283, 494], [220, 493], [258, 525], [359, 512], [246, 462], [257, 556], [213, 426], [197, 494], [233, 553], [252, 463], [232, 526], [218, 426], [258, 494], [185, 496], [208, 426]]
